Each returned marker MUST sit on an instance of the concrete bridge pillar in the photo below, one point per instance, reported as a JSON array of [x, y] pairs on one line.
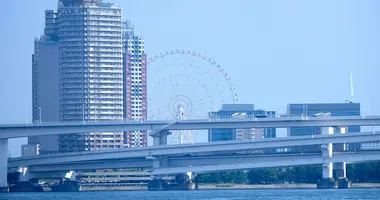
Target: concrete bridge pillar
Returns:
[[327, 167], [182, 182], [339, 171], [160, 137], [3, 165], [340, 175], [333, 171], [340, 168], [158, 183]]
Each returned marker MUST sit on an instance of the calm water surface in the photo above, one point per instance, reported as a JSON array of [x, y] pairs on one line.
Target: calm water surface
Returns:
[[204, 195]]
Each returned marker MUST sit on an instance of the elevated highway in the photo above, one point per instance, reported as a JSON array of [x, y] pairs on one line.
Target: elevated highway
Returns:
[[173, 161], [226, 146], [25, 130], [170, 160], [208, 164], [287, 162]]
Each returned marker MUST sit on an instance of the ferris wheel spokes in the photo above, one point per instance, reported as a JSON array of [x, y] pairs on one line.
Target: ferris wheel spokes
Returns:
[[184, 87], [183, 136]]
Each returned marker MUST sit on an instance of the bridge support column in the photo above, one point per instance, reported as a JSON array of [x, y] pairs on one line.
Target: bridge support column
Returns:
[[4, 165], [340, 168], [327, 181], [158, 183], [160, 137], [196, 184], [182, 182], [340, 175], [339, 171]]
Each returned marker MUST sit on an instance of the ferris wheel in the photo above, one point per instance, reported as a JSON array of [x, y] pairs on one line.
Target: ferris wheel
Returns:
[[186, 85]]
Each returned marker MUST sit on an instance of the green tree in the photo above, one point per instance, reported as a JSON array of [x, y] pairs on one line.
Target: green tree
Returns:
[[207, 178], [240, 177], [313, 174], [362, 172], [286, 175], [300, 174], [351, 173], [262, 176]]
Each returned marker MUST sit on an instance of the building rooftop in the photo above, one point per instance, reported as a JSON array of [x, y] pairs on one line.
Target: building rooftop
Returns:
[[238, 107], [79, 2]]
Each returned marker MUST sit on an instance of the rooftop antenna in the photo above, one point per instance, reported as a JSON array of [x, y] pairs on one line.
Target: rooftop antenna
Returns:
[[304, 109], [352, 88]]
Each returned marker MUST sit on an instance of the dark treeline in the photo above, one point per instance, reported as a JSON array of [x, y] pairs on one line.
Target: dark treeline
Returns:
[[363, 172]]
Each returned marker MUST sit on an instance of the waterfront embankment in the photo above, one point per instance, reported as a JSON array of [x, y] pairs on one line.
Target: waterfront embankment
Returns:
[[225, 187]]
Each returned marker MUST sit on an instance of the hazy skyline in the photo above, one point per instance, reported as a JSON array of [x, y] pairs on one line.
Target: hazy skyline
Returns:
[[276, 52]]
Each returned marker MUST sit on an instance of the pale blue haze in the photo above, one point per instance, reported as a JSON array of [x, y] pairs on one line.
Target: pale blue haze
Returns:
[[276, 52]]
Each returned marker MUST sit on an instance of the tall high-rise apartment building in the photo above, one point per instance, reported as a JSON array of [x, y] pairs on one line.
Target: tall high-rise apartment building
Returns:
[[135, 84], [45, 90], [78, 73], [91, 71], [45, 83]]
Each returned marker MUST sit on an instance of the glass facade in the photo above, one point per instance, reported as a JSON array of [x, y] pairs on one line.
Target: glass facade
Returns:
[[222, 134], [321, 109], [241, 111]]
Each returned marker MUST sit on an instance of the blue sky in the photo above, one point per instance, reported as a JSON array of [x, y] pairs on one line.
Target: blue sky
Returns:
[[276, 52]]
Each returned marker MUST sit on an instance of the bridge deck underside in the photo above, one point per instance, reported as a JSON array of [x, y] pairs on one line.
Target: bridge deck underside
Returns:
[[206, 148], [205, 164]]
